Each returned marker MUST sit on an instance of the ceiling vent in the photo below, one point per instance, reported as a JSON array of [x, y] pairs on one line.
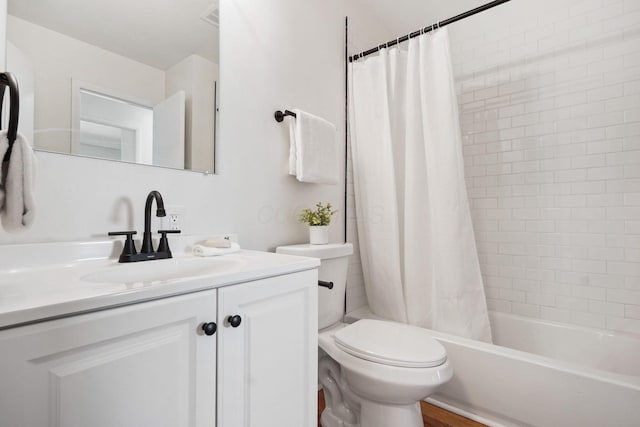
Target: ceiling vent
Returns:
[[212, 15]]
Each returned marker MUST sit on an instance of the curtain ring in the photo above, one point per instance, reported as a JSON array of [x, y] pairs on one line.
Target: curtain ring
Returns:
[[438, 24]]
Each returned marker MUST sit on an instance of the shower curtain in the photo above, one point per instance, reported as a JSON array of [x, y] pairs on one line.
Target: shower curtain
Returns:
[[416, 238]]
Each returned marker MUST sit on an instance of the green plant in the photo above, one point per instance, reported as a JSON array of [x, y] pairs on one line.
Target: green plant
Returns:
[[320, 216]]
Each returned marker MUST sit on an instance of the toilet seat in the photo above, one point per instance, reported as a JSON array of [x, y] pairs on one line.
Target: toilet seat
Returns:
[[382, 382], [391, 344]]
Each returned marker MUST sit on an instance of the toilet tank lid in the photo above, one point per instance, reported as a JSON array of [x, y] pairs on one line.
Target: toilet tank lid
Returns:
[[331, 250], [391, 343]]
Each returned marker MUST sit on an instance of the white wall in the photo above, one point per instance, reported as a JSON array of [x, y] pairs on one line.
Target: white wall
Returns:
[[3, 24], [283, 54], [3, 47], [550, 109], [57, 59], [22, 68], [278, 54], [196, 76]]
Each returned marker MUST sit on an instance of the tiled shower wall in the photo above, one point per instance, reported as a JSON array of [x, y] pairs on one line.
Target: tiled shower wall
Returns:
[[549, 95]]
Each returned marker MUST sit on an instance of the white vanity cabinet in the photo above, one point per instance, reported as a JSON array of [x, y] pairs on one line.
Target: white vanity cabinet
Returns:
[[150, 364], [145, 364], [267, 365]]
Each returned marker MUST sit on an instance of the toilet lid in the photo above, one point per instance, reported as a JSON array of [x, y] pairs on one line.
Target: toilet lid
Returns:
[[391, 343]]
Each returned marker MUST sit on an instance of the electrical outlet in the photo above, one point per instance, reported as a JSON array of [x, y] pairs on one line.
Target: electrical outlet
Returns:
[[174, 219]]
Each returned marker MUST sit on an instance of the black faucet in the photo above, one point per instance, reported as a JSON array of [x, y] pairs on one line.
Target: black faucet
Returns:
[[147, 245], [147, 253]]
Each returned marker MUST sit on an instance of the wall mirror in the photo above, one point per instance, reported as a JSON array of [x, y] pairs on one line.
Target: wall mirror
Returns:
[[134, 81]]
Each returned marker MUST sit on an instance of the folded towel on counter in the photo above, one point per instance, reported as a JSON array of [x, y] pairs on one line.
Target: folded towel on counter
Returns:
[[17, 203], [313, 154], [202, 250], [217, 243]]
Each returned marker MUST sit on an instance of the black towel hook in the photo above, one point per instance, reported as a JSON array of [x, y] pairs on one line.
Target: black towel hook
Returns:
[[8, 79]]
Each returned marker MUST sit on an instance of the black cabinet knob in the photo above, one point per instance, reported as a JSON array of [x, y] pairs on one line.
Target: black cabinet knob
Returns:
[[234, 320], [209, 328]]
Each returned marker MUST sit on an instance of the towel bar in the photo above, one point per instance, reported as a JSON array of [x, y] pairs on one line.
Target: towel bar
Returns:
[[279, 115], [8, 79]]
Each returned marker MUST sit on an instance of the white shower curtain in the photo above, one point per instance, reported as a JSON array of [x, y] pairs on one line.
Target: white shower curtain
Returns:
[[416, 237]]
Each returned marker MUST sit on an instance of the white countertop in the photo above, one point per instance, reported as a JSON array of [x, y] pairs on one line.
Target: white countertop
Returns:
[[30, 293]]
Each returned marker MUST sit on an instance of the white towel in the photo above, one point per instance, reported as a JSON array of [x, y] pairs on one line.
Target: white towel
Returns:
[[17, 204], [313, 154], [201, 250], [217, 243], [293, 158]]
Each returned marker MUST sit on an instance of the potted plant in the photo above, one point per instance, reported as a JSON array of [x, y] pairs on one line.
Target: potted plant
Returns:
[[318, 221]]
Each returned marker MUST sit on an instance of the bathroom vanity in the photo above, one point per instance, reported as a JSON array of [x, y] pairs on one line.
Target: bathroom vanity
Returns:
[[225, 341]]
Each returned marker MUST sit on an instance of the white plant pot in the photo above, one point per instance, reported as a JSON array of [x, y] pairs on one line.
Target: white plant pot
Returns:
[[319, 234]]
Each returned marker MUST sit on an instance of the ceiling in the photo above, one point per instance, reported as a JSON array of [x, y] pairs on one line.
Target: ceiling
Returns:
[[159, 33]]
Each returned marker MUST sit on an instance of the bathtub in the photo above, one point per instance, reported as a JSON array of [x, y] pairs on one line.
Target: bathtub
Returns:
[[541, 373]]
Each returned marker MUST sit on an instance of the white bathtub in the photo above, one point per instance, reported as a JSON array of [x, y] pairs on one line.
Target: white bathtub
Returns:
[[543, 374]]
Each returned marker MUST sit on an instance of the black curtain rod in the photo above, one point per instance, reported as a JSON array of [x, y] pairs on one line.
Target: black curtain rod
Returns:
[[428, 29]]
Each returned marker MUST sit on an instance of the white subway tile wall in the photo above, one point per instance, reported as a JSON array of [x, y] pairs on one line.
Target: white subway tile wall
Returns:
[[550, 117], [549, 95]]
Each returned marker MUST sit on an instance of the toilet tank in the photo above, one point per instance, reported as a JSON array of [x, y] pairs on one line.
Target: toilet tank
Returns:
[[334, 263]]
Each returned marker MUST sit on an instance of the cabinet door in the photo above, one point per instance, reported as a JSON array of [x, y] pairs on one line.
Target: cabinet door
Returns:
[[267, 365], [144, 365]]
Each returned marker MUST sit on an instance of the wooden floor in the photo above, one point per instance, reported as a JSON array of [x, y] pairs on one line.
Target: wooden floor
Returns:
[[431, 415]]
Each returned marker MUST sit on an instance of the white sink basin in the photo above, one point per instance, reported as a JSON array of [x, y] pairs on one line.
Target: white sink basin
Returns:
[[164, 270]]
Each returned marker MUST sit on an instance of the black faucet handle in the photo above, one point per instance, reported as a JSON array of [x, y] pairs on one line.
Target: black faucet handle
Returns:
[[129, 247], [163, 245], [122, 233]]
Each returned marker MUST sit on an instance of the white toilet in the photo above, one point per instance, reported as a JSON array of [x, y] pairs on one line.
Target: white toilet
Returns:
[[376, 372]]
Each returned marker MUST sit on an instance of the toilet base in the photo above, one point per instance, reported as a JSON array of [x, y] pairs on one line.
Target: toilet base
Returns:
[[344, 408], [341, 405], [329, 419], [374, 414], [363, 393]]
